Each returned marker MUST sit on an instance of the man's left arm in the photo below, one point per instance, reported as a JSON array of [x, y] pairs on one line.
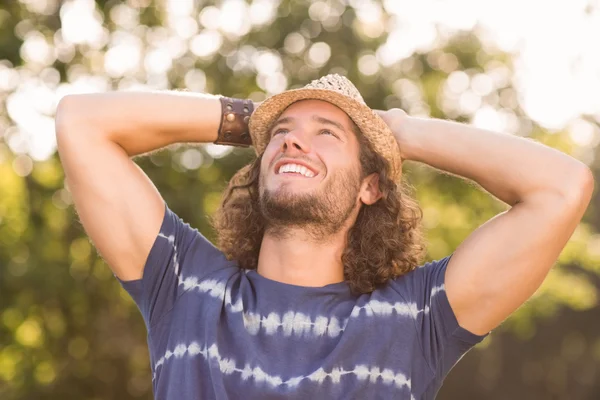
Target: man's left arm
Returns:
[[504, 261]]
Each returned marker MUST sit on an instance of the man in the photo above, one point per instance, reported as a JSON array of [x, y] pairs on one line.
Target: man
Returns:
[[314, 292]]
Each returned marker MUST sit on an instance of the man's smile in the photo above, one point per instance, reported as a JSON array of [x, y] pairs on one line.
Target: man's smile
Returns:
[[291, 167], [295, 169]]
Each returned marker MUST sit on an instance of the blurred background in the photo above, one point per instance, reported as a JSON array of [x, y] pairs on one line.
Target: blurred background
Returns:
[[528, 68]]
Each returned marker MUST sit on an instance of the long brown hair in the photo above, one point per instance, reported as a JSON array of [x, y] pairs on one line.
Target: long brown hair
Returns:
[[384, 242]]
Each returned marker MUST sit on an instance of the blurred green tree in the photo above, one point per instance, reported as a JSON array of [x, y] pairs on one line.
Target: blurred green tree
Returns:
[[67, 329]]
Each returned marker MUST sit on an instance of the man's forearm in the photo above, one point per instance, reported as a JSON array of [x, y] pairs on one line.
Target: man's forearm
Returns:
[[509, 167], [141, 122]]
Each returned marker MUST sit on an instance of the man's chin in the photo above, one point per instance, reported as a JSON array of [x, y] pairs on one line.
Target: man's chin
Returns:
[[290, 199], [287, 204], [291, 192]]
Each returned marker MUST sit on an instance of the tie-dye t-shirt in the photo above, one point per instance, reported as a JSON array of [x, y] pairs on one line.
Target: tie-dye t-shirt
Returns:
[[216, 331]]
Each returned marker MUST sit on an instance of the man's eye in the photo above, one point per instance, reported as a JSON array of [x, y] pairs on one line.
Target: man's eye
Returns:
[[281, 130], [328, 132]]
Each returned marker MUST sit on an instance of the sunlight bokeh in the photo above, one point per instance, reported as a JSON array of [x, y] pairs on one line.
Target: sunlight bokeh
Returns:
[[556, 64]]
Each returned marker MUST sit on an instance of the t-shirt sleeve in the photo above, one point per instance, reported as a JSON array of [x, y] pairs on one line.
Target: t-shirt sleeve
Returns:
[[443, 340], [179, 259]]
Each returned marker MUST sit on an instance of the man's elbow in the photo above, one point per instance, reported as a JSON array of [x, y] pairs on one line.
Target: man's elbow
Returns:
[[66, 113], [581, 187]]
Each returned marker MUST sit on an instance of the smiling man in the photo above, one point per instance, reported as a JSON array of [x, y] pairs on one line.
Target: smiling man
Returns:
[[315, 289]]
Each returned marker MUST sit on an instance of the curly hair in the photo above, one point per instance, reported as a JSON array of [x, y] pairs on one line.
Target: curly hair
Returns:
[[384, 243]]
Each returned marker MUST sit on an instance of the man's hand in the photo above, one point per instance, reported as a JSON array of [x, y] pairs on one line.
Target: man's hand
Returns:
[[391, 116], [397, 120]]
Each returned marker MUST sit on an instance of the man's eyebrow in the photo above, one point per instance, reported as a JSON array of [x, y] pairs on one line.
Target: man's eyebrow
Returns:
[[284, 120], [329, 122], [317, 118], [281, 121]]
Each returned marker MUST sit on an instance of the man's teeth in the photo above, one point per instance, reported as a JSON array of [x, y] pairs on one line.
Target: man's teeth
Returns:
[[299, 169]]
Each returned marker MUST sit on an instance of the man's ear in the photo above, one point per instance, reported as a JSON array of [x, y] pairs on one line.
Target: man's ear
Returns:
[[369, 190]]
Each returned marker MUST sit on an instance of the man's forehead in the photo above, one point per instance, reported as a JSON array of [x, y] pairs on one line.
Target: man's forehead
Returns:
[[317, 110], [313, 104]]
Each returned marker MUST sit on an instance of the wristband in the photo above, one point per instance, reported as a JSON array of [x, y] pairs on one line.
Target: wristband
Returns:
[[233, 129]]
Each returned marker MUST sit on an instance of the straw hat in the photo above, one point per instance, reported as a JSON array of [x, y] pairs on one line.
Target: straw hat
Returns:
[[340, 92]]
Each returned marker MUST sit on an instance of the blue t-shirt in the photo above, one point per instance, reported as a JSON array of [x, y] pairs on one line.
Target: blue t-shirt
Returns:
[[216, 331]]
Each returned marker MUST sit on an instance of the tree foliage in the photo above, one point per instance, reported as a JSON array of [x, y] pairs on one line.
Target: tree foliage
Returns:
[[67, 329]]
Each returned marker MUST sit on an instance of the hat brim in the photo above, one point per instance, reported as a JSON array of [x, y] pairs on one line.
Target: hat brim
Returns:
[[370, 124]]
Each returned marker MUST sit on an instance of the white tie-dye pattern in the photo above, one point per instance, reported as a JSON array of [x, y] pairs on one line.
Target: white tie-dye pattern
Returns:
[[171, 240], [292, 323], [228, 366], [436, 289], [383, 308]]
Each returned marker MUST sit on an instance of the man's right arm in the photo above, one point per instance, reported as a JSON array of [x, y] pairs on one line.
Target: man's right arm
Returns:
[[97, 134]]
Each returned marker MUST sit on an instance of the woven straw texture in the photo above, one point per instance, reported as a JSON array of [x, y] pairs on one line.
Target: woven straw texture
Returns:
[[340, 92]]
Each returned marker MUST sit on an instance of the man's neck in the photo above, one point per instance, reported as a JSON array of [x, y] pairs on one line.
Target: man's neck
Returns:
[[296, 258]]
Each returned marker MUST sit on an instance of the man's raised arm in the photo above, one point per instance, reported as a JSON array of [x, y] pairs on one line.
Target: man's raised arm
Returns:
[[119, 207], [503, 262]]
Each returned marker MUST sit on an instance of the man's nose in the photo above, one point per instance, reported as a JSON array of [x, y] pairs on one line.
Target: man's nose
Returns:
[[296, 140]]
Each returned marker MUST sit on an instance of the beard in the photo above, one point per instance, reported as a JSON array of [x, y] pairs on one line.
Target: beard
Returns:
[[320, 213]]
